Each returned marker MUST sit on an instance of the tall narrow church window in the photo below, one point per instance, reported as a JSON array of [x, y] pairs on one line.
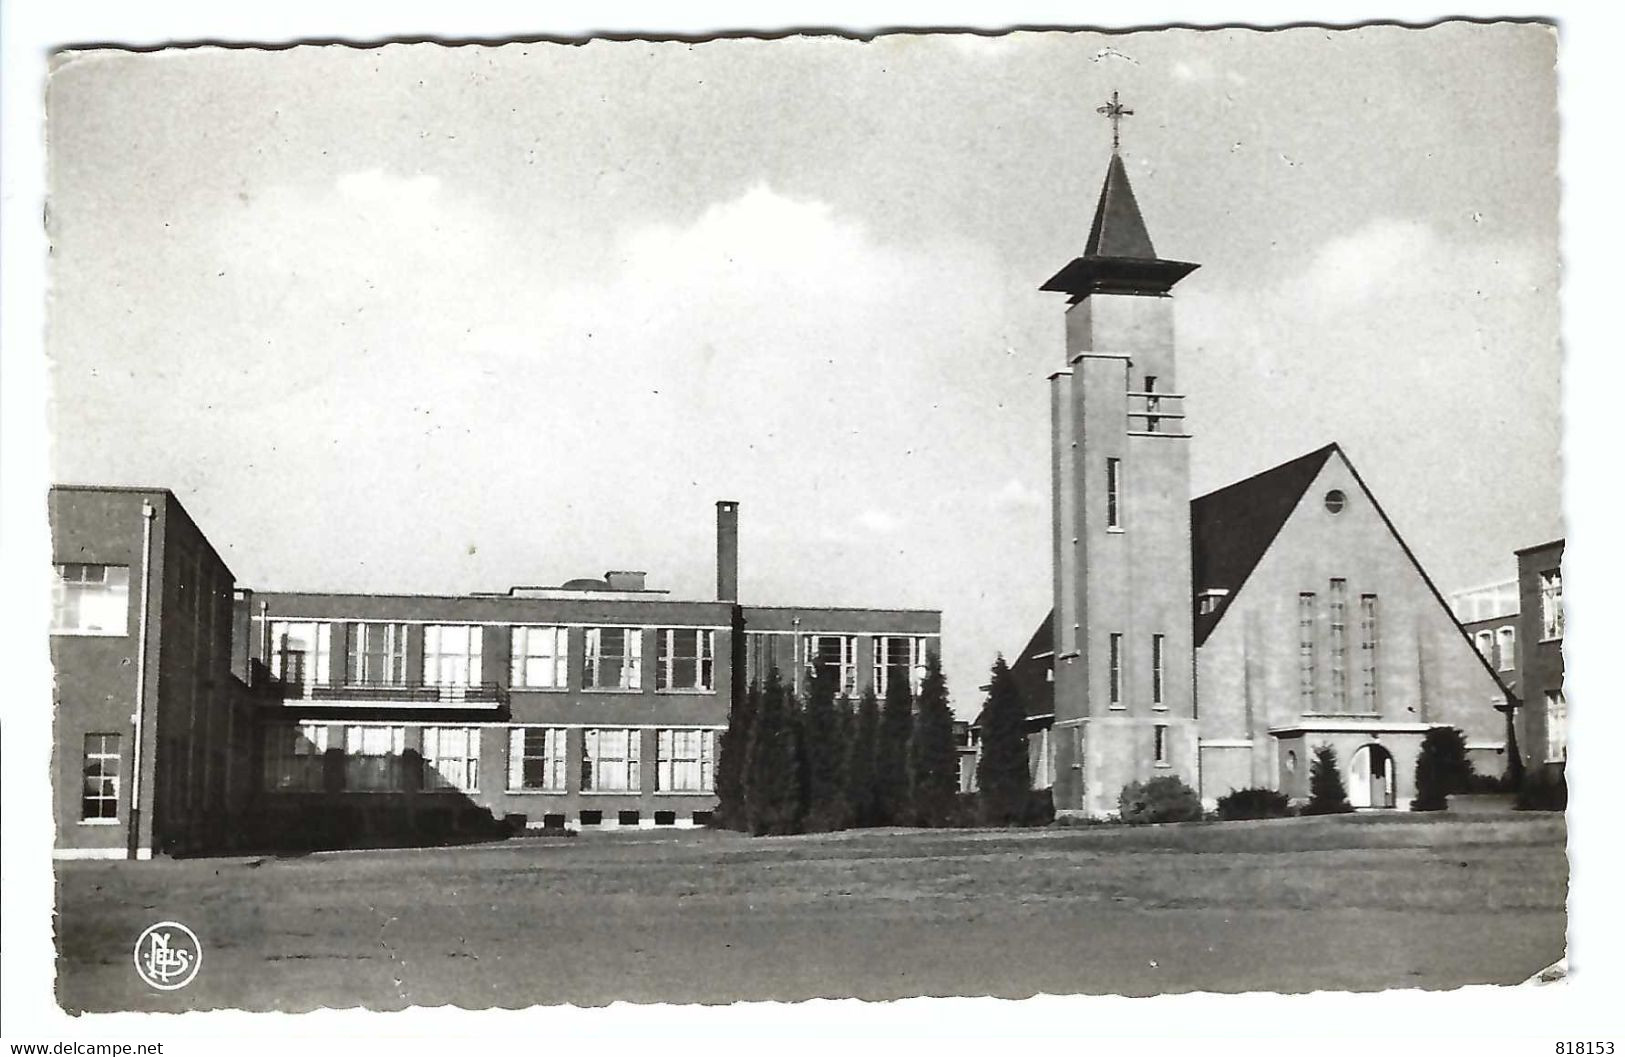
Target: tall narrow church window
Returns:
[[1152, 405], [1156, 670], [1160, 745], [1114, 481], [1368, 652], [1339, 645], [1116, 670], [1306, 650]]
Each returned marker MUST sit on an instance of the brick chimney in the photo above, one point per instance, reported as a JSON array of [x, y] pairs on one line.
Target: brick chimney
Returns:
[[727, 550]]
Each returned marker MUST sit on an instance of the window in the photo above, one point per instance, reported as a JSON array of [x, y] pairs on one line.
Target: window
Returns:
[[1153, 404], [685, 761], [301, 652], [837, 657], [1116, 673], [451, 758], [1557, 727], [609, 761], [1486, 645], [378, 654], [1551, 604], [541, 658], [1156, 671], [1306, 651], [91, 600], [1114, 481], [99, 801], [1208, 601], [451, 654], [293, 758], [1336, 501], [374, 759], [683, 660], [1368, 653], [537, 759], [899, 657], [1159, 735], [1506, 647], [614, 659], [1339, 645], [761, 656]]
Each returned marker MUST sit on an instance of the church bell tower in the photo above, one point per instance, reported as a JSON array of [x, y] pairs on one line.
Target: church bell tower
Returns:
[[1124, 661]]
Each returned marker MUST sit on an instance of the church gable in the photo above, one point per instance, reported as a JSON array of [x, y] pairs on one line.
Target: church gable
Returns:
[[1336, 618]]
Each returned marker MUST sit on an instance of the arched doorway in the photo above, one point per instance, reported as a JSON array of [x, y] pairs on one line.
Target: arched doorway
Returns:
[[1371, 777]]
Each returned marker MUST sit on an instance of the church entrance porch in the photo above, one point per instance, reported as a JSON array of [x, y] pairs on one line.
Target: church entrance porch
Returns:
[[1371, 777]]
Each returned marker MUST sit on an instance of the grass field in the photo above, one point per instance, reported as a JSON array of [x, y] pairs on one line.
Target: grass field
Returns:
[[1346, 902]]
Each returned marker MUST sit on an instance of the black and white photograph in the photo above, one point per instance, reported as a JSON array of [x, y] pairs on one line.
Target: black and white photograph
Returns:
[[940, 513]]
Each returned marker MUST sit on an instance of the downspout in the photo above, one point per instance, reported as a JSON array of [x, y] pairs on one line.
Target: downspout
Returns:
[[136, 850]]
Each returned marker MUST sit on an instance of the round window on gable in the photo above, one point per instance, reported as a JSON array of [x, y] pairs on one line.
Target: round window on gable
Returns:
[[1336, 501]]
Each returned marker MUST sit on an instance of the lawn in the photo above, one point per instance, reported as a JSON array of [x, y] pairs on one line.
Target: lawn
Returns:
[[1356, 903]]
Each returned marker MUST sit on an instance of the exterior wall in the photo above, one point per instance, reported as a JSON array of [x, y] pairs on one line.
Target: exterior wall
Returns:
[[1505, 662], [1540, 661], [195, 732], [1134, 579], [783, 627], [574, 708], [1427, 672]]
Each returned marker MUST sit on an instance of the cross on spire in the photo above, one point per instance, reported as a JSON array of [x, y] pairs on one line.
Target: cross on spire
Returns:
[[1115, 113]]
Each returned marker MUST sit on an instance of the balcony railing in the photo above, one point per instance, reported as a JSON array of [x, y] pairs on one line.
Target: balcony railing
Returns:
[[393, 695], [1156, 413]]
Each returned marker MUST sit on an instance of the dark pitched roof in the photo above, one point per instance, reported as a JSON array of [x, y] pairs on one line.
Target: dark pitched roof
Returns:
[[1118, 230], [1232, 528], [1119, 257], [1231, 531]]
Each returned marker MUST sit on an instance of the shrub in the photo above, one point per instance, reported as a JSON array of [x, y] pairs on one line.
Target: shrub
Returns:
[[1254, 803], [1538, 795], [1442, 768], [1166, 799], [1327, 796], [1039, 809]]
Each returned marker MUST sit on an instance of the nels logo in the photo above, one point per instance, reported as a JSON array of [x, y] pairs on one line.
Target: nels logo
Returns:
[[167, 956]]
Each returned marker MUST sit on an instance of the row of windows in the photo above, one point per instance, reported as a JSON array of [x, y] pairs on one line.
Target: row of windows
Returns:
[[894, 658], [374, 759], [1499, 648], [1336, 643], [612, 658]]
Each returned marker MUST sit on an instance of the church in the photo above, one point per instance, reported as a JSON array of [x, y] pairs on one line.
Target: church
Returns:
[[1221, 639]]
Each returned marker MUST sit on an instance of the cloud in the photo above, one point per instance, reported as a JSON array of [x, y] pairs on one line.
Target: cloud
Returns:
[[1015, 496], [878, 522]]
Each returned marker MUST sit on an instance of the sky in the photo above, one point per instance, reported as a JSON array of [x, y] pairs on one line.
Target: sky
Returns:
[[436, 320]]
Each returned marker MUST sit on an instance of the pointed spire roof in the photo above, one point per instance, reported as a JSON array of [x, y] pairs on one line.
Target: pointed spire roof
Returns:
[[1118, 230], [1119, 257]]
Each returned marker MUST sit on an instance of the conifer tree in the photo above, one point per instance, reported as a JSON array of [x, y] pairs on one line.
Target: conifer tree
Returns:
[[933, 756], [1442, 768], [731, 756], [860, 760], [891, 756], [1327, 795], [821, 752], [772, 785], [1003, 778]]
